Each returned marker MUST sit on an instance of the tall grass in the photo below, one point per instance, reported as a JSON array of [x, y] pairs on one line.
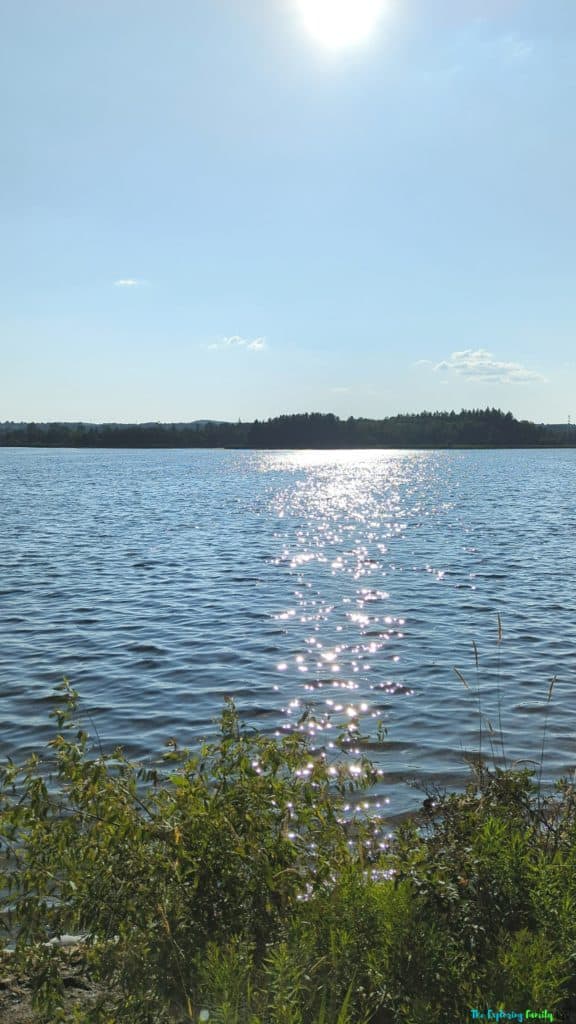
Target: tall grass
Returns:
[[483, 719]]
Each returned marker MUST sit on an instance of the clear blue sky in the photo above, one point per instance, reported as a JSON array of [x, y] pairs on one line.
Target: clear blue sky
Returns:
[[207, 211]]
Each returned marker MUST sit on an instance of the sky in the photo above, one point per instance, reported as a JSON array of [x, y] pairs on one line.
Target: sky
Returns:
[[234, 209]]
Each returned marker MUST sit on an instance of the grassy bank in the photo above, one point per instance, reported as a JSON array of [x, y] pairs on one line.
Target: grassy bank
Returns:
[[230, 886]]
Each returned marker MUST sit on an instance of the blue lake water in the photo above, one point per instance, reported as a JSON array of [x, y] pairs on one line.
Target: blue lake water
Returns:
[[161, 581]]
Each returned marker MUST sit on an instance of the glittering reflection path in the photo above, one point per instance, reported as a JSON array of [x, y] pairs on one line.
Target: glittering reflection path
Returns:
[[340, 526]]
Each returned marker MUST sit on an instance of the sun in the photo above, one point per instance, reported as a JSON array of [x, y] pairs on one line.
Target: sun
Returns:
[[340, 23]]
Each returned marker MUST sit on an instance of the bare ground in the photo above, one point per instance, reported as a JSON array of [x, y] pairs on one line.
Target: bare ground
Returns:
[[16, 993]]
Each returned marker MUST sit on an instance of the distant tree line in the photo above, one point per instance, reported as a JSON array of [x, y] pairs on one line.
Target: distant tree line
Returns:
[[490, 428]]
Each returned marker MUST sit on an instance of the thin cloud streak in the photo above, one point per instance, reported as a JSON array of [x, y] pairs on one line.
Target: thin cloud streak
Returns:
[[128, 282], [236, 341]]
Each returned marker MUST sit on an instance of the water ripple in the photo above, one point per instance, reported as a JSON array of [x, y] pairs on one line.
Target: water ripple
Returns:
[[346, 583]]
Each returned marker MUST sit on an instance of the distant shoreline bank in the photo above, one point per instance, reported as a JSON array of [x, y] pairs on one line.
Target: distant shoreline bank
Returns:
[[295, 447]]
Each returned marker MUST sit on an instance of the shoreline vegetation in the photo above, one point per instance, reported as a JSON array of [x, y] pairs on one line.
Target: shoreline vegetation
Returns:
[[476, 428], [228, 885]]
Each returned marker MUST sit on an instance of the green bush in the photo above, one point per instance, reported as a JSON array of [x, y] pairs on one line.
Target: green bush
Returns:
[[230, 883]]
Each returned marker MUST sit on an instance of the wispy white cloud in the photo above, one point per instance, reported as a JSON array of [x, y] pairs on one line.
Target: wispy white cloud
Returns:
[[472, 50], [481, 365], [128, 282], [256, 344], [340, 390], [236, 341], [513, 48]]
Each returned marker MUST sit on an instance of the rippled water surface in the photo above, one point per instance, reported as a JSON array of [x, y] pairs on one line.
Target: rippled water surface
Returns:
[[161, 581]]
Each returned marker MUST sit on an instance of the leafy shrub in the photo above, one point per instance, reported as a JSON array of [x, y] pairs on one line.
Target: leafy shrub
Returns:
[[228, 884]]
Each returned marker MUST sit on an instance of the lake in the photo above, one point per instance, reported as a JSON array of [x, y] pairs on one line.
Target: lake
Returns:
[[355, 582]]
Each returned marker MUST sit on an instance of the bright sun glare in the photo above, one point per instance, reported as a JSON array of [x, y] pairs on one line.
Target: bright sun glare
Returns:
[[339, 23]]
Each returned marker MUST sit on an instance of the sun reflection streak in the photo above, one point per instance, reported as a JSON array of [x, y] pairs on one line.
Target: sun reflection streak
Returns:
[[343, 519]]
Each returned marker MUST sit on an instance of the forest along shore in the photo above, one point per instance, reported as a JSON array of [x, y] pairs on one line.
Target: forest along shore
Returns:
[[482, 428]]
